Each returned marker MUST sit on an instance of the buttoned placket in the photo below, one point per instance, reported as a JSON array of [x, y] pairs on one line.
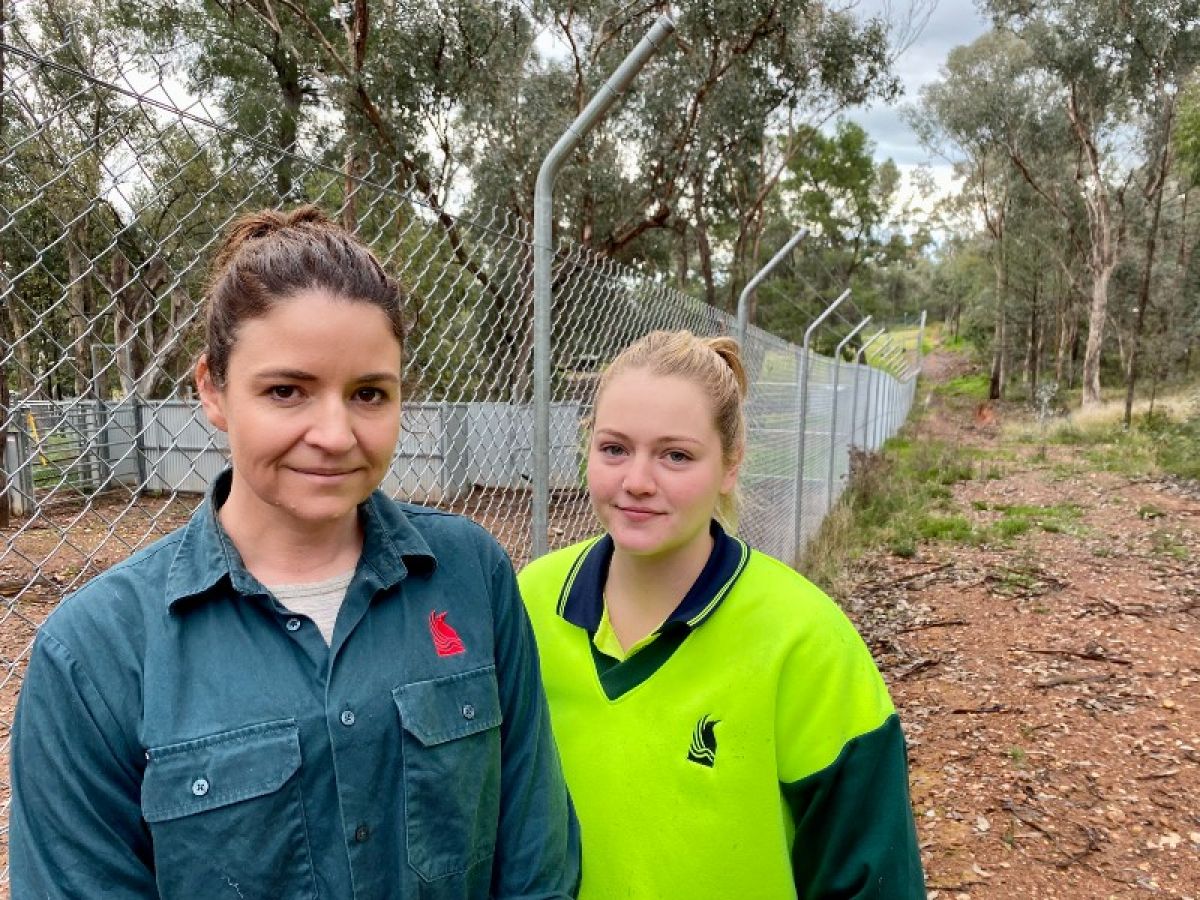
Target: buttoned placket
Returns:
[[351, 736], [356, 724]]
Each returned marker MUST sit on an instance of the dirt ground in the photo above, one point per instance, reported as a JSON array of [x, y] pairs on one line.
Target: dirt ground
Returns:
[[1048, 688]]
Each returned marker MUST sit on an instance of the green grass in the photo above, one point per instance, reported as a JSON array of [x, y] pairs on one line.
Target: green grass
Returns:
[[897, 498], [1169, 543], [1017, 519], [1178, 450], [970, 387], [1156, 444], [902, 496]]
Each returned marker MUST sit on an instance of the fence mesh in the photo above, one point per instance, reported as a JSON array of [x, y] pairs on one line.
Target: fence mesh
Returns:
[[115, 186]]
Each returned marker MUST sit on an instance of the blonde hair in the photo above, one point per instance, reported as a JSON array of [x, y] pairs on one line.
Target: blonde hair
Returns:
[[715, 366]]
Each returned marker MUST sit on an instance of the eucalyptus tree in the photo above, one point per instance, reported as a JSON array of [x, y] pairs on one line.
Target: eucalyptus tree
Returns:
[[983, 114], [65, 134], [261, 80], [1167, 39], [1105, 57], [685, 167]]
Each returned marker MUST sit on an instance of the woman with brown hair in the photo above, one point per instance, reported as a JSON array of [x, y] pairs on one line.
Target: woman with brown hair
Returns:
[[309, 690]]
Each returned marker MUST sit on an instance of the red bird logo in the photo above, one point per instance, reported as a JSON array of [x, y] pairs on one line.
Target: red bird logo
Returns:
[[445, 639]]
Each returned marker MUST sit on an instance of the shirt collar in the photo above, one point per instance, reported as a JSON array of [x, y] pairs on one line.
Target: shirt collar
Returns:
[[582, 599], [205, 556]]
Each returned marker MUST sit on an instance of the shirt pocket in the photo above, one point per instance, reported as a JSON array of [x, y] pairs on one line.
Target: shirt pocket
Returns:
[[225, 812], [451, 748]]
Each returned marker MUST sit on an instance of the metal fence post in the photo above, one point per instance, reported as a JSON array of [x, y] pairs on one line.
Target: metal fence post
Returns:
[[837, 369], [543, 262], [804, 354], [858, 374], [921, 340], [882, 418], [743, 305], [20, 470]]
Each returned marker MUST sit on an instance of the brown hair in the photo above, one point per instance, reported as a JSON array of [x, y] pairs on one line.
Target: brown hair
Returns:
[[269, 256], [713, 364]]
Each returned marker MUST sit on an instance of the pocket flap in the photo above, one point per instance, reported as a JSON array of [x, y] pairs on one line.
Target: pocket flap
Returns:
[[455, 706], [201, 774]]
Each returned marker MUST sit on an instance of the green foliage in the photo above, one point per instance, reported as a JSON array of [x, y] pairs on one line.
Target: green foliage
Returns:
[[972, 387], [1155, 444], [1187, 133], [1178, 449]]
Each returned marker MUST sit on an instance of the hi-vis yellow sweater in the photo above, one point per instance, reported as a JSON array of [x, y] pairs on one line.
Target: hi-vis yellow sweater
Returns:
[[749, 751]]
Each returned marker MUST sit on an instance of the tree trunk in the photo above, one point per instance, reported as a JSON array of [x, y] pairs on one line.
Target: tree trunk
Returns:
[[1066, 315], [5, 510], [1159, 183], [5, 339], [703, 248], [79, 302], [999, 336], [1034, 351], [681, 255], [1103, 254], [287, 75]]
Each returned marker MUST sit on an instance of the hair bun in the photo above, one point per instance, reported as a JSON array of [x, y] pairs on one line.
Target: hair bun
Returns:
[[727, 348], [307, 214]]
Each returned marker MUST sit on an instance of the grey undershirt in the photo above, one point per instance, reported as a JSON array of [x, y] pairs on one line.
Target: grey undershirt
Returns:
[[318, 600]]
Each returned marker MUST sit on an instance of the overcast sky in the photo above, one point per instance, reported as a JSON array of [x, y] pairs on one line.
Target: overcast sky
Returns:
[[952, 22]]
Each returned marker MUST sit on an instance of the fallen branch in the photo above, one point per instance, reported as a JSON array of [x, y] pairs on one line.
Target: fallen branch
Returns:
[[912, 576], [994, 708], [1139, 610], [942, 623], [1071, 679], [1092, 653], [1166, 773], [919, 666]]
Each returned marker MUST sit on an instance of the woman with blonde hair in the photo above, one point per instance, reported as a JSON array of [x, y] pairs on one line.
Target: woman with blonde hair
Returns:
[[724, 731]]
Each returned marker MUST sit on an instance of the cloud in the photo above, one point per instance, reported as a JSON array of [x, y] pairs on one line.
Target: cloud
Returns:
[[952, 23]]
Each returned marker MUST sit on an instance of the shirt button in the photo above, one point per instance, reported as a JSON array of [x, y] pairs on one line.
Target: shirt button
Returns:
[[200, 787], [361, 833], [347, 717], [293, 625], [468, 711]]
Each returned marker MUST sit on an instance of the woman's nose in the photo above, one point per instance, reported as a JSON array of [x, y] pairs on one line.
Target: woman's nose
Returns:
[[638, 478], [332, 429]]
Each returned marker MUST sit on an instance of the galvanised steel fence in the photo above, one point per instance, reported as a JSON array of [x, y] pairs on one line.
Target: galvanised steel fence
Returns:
[[112, 196]]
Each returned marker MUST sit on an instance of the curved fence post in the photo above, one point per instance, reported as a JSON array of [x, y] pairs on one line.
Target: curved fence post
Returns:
[[858, 374], [543, 263], [837, 369], [804, 356], [743, 305]]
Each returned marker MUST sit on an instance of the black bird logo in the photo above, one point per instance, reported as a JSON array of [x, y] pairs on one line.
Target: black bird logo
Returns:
[[704, 742]]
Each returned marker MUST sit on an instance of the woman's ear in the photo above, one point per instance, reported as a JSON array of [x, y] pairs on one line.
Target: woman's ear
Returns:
[[729, 480], [211, 397]]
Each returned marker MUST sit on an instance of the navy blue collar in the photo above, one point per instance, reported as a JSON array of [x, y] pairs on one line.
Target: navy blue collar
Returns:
[[582, 599]]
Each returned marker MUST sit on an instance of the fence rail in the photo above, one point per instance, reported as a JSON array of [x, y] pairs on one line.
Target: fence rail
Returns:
[[111, 201]]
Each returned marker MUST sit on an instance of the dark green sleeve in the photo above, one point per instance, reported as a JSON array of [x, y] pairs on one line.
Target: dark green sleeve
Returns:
[[855, 836], [76, 817], [537, 845]]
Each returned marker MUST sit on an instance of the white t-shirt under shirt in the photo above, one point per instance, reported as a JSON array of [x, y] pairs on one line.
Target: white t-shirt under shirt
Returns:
[[318, 600]]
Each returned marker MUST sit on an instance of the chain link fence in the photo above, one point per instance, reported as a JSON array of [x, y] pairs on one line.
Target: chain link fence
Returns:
[[113, 194]]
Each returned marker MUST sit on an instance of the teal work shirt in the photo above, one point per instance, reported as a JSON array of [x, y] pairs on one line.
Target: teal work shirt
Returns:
[[180, 735]]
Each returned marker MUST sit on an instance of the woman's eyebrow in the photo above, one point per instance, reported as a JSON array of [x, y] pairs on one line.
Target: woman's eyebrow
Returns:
[[301, 375]]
